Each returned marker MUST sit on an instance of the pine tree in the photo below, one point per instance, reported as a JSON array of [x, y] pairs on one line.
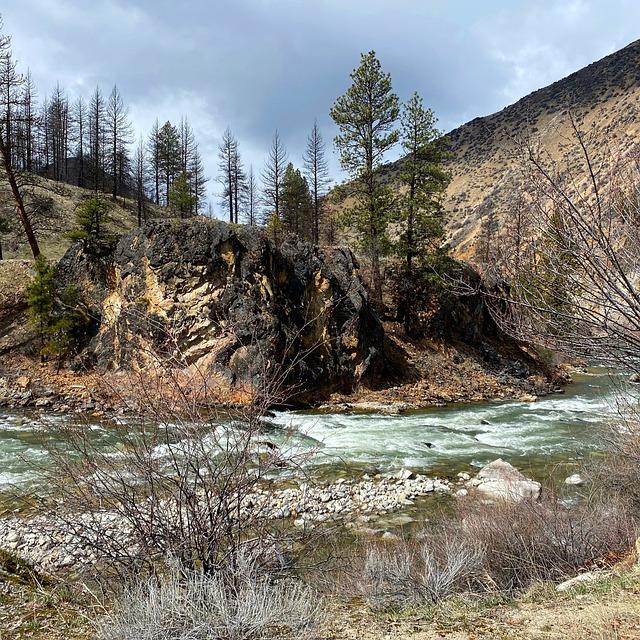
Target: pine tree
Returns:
[[41, 299], [180, 196], [272, 176], [425, 180], [365, 116], [168, 156], [297, 205], [91, 216], [317, 172]]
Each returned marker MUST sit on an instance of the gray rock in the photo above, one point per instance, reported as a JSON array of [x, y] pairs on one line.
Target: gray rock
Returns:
[[500, 480], [574, 479], [583, 578]]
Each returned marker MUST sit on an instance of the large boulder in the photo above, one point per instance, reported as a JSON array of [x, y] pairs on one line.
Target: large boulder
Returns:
[[227, 299], [501, 481]]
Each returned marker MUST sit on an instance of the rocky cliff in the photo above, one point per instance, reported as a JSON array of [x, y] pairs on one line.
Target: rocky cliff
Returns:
[[230, 302]]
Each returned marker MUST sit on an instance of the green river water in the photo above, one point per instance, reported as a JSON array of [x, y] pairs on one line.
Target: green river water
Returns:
[[537, 437]]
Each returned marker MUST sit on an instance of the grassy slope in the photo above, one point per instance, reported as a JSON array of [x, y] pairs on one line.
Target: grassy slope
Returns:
[[60, 219]]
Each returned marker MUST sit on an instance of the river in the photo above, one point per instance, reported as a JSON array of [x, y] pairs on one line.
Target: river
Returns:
[[534, 436]]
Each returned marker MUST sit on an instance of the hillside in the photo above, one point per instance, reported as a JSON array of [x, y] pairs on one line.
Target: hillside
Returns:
[[485, 166], [56, 203]]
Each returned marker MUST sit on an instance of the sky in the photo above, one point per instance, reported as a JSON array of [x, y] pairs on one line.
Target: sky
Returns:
[[258, 65]]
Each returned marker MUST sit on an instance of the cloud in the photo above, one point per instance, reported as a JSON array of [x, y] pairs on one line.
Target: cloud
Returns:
[[258, 65]]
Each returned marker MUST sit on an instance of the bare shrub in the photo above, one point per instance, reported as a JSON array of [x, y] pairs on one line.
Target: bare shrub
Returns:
[[618, 472], [217, 606], [529, 542], [419, 572], [176, 480], [570, 257], [502, 547]]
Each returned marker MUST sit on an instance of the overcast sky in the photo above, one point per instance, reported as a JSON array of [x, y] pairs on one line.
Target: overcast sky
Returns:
[[255, 65]]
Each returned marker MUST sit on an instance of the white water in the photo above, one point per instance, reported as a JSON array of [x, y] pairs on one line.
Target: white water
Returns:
[[559, 428]]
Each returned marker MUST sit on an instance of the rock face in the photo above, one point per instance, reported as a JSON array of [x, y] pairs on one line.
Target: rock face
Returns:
[[228, 300], [500, 480]]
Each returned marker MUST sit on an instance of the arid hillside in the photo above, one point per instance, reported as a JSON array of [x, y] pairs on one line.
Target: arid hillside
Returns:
[[52, 206], [486, 164]]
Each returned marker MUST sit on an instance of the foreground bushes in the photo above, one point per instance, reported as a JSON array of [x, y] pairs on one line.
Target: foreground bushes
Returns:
[[243, 605], [497, 548]]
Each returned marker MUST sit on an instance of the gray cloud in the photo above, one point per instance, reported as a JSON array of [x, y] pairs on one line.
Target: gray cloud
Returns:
[[255, 65]]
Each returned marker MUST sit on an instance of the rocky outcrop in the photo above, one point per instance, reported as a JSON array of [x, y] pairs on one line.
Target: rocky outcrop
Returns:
[[227, 300]]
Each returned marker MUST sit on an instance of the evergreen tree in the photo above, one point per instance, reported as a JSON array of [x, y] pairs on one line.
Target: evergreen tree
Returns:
[[41, 299], [365, 116], [168, 156], [181, 197], [425, 180], [297, 205], [91, 216]]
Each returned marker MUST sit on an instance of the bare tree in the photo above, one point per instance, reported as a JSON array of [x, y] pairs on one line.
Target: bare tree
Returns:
[[239, 179], [118, 129], [198, 180], [577, 291], [139, 178], [272, 176], [10, 83], [79, 121], [227, 153], [97, 132], [28, 121], [58, 124], [18, 198], [317, 173], [251, 199], [153, 153]]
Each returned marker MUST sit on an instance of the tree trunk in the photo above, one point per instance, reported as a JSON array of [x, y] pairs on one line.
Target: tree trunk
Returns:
[[19, 202]]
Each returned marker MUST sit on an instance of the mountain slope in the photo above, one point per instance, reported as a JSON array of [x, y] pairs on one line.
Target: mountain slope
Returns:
[[485, 167]]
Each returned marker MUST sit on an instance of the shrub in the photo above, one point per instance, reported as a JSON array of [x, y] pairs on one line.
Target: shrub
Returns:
[[529, 542], [246, 605], [424, 572], [618, 472], [502, 548]]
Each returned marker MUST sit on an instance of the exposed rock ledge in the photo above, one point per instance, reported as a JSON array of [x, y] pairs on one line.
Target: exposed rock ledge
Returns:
[[229, 302]]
